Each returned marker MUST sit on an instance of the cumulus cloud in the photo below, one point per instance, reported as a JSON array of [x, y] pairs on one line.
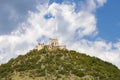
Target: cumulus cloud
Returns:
[[12, 12], [99, 48], [63, 22]]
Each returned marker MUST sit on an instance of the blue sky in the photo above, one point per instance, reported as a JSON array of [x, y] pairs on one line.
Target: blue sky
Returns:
[[13, 12], [108, 18], [88, 26]]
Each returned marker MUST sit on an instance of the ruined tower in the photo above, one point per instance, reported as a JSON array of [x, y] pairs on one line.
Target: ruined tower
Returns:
[[53, 44]]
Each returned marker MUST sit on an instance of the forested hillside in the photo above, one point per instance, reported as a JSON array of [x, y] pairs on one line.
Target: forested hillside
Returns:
[[58, 65]]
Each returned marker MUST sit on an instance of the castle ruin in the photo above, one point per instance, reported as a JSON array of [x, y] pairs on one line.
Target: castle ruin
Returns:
[[53, 44]]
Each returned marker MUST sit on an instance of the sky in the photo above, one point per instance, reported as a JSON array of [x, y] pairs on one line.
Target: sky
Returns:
[[87, 26]]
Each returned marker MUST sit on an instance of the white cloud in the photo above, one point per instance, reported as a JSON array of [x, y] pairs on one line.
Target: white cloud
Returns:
[[92, 5], [100, 49], [101, 2], [66, 25], [117, 45]]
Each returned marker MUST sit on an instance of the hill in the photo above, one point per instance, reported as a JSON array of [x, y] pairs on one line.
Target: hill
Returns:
[[58, 65]]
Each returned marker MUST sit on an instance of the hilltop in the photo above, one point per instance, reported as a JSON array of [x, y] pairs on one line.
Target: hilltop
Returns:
[[58, 64]]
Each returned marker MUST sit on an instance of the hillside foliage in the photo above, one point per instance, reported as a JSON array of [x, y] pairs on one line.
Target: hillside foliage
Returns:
[[58, 65]]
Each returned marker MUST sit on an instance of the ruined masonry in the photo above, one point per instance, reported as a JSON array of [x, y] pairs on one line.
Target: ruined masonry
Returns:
[[53, 44]]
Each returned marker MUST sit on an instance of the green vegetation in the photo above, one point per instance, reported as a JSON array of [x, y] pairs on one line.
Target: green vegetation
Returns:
[[58, 64]]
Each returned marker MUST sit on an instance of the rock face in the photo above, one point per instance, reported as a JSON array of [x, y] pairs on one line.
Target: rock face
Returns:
[[58, 64], [53, 44]]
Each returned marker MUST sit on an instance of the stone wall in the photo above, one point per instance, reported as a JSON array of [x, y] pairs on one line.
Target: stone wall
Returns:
[[62, 47], [40, 46], [53, 44]]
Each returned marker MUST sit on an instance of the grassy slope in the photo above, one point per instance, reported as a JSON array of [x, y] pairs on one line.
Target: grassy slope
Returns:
[[58, 64]]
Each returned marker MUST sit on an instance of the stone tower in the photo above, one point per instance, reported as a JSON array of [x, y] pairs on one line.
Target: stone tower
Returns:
[[53, 42]]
